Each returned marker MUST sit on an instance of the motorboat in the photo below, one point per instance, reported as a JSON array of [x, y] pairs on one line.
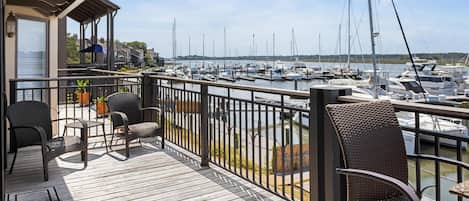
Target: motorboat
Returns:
[[453, 127], [405, 89], [433, 81], [293, 76], [431, 123]]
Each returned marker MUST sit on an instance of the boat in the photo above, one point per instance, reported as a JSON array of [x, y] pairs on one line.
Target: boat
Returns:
[[420, 63], [405, 89], [209, 77], [433, 81], [459, 72], [293, 76], [434, 124], [427, 122], [274, 74]]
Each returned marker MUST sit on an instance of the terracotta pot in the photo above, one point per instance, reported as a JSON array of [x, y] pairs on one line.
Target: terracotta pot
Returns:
[[83, 98], [101, 108]]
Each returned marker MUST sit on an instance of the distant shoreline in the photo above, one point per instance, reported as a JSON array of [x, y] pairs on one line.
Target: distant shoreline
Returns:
[[442, 58]]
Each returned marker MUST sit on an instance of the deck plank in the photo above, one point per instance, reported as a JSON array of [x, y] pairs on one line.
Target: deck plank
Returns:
[[149, 174]]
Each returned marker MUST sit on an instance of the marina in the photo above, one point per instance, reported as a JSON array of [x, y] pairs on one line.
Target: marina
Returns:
[[233, 100]]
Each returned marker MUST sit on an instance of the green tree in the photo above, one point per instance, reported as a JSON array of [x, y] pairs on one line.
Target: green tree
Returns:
[[73, 52], [137, 45], [148, 59]]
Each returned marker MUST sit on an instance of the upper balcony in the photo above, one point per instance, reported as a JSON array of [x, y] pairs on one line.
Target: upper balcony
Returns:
[[226, 142]]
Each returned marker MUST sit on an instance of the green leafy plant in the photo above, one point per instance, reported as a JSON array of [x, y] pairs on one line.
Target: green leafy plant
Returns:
[[82, 85], [100, 99], [123, 89]]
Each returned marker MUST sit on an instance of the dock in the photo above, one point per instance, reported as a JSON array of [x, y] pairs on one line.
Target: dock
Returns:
[[227, 79], [247, 78]]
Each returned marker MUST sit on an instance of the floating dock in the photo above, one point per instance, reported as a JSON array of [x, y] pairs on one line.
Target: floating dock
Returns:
[[247, 78], [227, 79]]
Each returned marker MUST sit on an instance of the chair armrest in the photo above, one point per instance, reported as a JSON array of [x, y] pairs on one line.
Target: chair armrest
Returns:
[[441, 159], [69, 118], [151, 108], [395, 183], [38, 130], [124, 118]]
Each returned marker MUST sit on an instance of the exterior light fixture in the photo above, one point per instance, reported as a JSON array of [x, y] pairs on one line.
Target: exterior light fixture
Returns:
[[11, 25]]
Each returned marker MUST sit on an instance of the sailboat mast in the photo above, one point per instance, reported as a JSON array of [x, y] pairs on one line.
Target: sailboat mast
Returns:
[[203, 50], [349, 36], [213, 48], [273, 50], [319, 51], [340, 43], [373, 50], [224, 48], [174, 42]]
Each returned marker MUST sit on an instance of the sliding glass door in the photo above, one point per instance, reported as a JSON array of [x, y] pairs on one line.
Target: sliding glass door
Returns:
[[32, 57]]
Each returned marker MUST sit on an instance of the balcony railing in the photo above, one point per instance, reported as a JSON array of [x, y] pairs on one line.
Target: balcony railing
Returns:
[[256, 133]]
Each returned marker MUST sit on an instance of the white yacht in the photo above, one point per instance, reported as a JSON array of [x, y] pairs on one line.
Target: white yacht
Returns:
[[292, 75], [419, 62], [434, 82], [434, 124], [274, 74], [405, 89], [427, 122], [459, 72]]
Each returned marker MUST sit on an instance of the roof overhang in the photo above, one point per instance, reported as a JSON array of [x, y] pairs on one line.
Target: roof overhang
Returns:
[[82, 11]]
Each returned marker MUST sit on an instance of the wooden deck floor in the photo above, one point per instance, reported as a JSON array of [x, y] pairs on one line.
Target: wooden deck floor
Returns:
[[150, 174]]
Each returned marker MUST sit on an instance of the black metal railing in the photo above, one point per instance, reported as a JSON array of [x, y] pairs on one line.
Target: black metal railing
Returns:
[[279, 140], [434, 141], [68, 99], [249, 131]]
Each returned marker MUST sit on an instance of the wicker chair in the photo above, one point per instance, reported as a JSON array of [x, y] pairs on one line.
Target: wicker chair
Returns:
[[127, 115], [31, 124], [374, 152]]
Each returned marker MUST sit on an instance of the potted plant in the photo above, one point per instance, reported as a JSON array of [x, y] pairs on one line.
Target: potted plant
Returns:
[[123, 89], [82, 93], [101, 106]]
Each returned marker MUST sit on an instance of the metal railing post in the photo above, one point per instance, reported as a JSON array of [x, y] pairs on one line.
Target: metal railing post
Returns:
[[13, 88], [147, 94], [324, 149], [13, 99], [204, 124]]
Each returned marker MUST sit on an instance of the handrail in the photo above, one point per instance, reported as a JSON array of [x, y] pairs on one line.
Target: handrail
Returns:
[[300, 94], [461, 113], [110, 72], [40, 79]]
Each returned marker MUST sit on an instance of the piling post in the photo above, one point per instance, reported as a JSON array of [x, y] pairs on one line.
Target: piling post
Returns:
[[324, 148]]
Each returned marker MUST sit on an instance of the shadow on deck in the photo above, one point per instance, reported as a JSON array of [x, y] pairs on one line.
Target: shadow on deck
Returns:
[[149, 174]]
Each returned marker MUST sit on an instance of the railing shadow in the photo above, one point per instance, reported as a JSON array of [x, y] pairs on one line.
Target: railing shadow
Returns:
[[225, 179]]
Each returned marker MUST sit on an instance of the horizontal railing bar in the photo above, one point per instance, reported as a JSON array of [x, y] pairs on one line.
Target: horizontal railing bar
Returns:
[[247, 101], [76, 86], [110, 72], [435, 134], [238, 86], [43, 79], [461, 113]]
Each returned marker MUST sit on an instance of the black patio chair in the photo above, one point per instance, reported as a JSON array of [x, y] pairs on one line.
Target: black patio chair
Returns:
[[31, 124], [374, 153], [127, 115]]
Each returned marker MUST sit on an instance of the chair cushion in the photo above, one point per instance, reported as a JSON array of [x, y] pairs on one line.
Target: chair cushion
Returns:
[[145, 129]]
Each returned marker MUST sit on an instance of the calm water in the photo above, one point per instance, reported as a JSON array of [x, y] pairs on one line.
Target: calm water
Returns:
[[448, 172]]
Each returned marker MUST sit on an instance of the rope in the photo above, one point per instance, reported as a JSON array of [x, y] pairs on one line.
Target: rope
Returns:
[[408, 49]]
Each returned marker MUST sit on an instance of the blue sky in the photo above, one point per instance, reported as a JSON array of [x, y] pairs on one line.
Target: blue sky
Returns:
[[431, 25]]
